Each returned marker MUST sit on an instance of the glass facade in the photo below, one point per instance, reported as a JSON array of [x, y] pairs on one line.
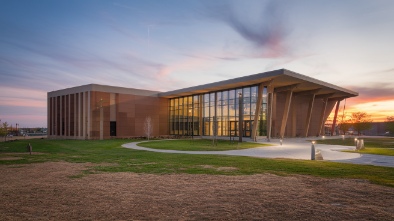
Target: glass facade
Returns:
[[217, 113]]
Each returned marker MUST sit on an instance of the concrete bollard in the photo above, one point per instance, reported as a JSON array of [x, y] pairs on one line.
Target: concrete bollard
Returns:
[[281, 141], [313, 154], [318, 155], [29, 148], [361, 144]]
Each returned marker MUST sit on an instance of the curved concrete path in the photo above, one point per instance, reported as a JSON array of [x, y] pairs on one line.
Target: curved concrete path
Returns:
[[291, 149]]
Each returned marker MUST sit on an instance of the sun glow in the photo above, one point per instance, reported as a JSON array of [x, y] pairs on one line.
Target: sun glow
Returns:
[[379, 110]]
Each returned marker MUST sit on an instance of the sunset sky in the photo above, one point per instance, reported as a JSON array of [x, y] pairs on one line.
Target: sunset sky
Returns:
[[167, 45]]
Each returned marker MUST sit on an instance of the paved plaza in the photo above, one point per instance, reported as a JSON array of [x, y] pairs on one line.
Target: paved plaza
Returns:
[[291, 148]]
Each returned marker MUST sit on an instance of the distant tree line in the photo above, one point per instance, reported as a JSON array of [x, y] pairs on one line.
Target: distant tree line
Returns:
[[390, 125], [361, 121]]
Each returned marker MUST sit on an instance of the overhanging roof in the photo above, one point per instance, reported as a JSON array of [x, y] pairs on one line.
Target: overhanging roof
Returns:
[[278, 78]]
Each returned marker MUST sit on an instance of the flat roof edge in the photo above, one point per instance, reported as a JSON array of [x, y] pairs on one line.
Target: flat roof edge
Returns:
[[103, 88]]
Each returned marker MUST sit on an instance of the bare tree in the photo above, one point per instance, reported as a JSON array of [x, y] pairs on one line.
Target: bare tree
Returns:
[[4, 130], [148, 127]]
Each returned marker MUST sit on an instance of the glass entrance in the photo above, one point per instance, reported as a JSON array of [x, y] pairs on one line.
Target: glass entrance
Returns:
[[247, 128]]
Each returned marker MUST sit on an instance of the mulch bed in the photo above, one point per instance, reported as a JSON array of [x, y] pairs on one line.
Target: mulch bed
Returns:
[[45, 191]]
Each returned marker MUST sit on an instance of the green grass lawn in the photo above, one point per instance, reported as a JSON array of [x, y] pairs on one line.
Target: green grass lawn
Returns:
[[111, 157], [380, 146], [199, 145]]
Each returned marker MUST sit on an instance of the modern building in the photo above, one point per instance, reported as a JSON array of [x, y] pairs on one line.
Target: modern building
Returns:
[[278, 103]]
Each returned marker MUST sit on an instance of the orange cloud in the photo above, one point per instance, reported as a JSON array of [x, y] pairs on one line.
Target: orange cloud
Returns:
[[378, 108]]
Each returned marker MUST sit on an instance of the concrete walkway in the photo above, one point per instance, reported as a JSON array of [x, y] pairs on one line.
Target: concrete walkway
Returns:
[[292, 148]]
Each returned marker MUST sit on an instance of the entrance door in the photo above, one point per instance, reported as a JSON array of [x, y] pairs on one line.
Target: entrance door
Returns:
[[247, 128], [112, 128], [233, 128]]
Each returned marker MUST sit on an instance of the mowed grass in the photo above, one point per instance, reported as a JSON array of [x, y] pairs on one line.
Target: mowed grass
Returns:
[[199, 145], [109, 156], [380, 146]]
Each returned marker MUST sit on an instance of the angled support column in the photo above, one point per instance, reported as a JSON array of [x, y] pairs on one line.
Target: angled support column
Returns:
[[258, 108], [270, 92], [286, 111], [325, 100], [309, 115], [335, 118]]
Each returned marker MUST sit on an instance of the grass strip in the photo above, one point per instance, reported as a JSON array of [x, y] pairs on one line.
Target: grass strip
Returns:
[[379, 146], [120, 159]]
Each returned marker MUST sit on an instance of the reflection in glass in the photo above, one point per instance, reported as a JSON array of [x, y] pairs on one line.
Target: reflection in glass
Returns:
[[185, 113]]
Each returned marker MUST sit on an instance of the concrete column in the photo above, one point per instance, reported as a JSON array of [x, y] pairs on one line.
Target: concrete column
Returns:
[[50, 130], [112, 107], [322, 116], [101, 123], [55, 116], [80, 119], [88, 116], [286, 111], [65, 115], [257, 111], [84, 115], [75, 115], [201, 103], [309, 115], [48, 116], [61, 116], [69, 115]]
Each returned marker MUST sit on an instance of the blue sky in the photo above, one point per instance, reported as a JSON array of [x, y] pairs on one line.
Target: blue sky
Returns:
[[166, 45]]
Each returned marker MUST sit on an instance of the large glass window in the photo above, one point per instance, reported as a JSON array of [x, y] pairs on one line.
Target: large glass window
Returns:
[[217, 113]]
